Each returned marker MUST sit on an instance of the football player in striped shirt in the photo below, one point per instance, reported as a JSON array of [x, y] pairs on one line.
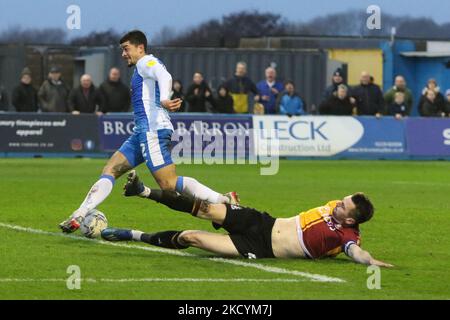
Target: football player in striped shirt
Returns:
[[151, 85]]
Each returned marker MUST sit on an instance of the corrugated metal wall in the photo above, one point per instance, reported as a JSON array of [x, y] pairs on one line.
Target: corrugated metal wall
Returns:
[[307, 68], [38, 59], [12, 59]]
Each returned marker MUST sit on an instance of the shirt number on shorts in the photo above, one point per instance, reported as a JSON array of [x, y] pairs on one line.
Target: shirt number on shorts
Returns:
[[144, 154]]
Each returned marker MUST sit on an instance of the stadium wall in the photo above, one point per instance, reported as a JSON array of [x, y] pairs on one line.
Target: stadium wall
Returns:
[[316, 137], [307, 68]]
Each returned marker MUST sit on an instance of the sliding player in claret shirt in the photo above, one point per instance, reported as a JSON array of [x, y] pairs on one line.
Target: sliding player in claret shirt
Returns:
[[151, 85], [317, 233]]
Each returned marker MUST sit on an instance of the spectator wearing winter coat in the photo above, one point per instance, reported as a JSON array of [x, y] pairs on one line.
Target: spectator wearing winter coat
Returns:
[[223, 103], [398, 108], [240, 87], [400, 86], [177, 93], [53, 93], [289, 101], [114, 95], [439, 99], [338, 104], [269, 89], [447, 103], [198, 94], [431, 106], [336, 81], [24, 96], [369, 97], [4, 103], [85, 98]]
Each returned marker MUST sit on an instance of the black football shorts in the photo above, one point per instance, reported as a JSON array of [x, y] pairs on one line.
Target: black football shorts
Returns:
[[250, 230]]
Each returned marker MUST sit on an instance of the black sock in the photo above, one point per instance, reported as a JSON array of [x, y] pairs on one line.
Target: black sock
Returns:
[[216, 226], [173, 200], [165, 239]]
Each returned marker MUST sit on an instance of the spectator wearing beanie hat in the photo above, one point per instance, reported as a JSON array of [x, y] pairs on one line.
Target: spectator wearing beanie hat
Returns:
[[337, 80], [24, 96], [53, 93]]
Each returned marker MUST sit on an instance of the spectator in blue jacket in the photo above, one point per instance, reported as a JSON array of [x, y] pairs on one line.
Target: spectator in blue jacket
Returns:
[[269, 89], [289, 102]]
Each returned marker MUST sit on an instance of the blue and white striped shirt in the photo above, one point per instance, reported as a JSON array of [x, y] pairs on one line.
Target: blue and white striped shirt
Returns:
[[151, 83]]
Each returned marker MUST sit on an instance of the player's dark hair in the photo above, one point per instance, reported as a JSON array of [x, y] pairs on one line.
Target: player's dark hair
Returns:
[[364, 208], [135, 37]]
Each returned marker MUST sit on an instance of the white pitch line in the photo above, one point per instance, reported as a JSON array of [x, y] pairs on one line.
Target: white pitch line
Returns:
[[310, 276], [422, 183], [114, 244], [91, 280]]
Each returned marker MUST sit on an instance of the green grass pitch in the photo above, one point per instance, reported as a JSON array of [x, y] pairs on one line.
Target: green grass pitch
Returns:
[[410, 229]]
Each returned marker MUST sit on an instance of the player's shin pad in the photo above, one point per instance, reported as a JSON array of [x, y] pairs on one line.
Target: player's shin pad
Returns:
[[176, 201], [165, 239]]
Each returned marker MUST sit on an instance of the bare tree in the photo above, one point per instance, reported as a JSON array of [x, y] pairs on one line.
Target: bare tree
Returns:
[[163, 37], [227, 31], [422, 28], [353, 23], [102, 38], [17, 34]]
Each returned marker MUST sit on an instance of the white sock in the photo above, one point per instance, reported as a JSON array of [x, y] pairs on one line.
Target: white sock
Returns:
[[98, 193], [195, 189], [136, 235], [145, 193]]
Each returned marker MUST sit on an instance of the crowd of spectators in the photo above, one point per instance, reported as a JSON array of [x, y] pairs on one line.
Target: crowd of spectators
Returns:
[[55, 96], [271, 96], [239, 94], [367, 98]]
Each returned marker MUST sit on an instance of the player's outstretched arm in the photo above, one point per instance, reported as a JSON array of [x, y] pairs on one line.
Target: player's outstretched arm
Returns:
[[364, 257]]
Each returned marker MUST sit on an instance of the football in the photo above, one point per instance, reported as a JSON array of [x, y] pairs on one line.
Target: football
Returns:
[[93, 224]]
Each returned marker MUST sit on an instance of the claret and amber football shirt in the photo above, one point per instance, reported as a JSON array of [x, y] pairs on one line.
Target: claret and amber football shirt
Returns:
[[320, 235]]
